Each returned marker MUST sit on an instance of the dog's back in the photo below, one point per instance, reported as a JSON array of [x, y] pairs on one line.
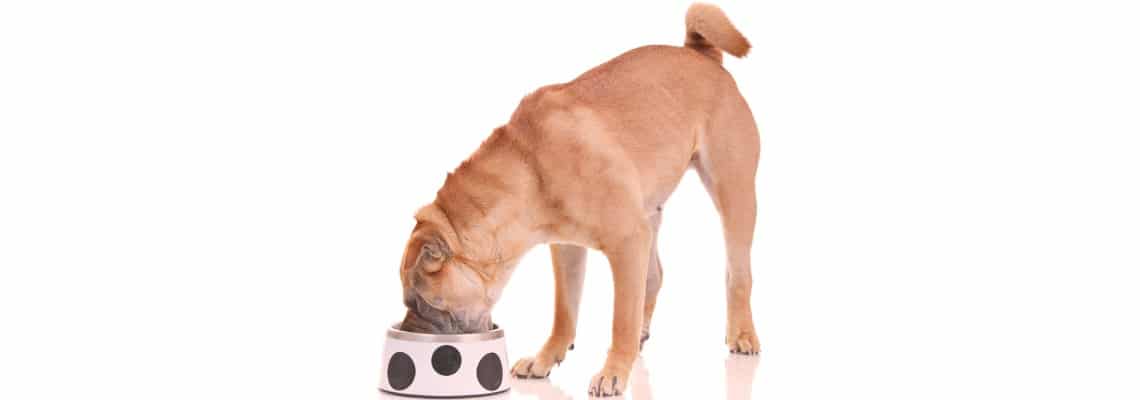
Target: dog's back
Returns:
[[690, 74], [656, 102]]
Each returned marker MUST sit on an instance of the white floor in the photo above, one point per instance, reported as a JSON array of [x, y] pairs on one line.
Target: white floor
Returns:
[[728, 376], [732, 378]]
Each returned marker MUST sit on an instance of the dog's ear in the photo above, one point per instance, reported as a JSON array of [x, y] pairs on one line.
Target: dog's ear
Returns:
[[433, 251]]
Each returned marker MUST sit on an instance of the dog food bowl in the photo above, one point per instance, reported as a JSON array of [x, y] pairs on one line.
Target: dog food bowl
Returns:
[[444, 366]]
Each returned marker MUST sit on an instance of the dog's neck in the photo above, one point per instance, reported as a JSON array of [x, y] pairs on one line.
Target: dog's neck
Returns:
[[489, 202]]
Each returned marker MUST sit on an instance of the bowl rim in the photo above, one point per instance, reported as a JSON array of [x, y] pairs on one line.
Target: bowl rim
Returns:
[[495, 333]]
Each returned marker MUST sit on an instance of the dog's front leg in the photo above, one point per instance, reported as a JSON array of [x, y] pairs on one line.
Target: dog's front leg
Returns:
[[629, 261], [569, 275]]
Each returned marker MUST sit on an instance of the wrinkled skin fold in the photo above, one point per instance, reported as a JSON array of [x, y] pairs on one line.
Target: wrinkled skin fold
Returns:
[[423, 318]]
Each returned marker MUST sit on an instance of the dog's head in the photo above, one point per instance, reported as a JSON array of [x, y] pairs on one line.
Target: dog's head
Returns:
[[445, 289]]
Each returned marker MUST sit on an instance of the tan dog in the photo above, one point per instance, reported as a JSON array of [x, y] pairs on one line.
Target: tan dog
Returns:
[[589, 164]]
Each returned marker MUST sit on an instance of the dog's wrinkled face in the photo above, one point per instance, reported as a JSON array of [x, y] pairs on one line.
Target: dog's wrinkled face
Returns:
[[444, 292]]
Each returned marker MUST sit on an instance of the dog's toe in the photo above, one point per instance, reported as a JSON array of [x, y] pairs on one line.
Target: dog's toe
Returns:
[[744, 343], [531, 368], [606, 384], [521, 369]]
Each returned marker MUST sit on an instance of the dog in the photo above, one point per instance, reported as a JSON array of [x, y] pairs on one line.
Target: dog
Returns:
[[590, 164]]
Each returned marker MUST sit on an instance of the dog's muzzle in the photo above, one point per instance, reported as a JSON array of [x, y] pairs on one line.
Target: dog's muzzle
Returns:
[[424, 318]]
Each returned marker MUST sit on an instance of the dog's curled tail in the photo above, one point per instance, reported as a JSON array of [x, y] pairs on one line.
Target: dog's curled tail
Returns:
[[709, 31]]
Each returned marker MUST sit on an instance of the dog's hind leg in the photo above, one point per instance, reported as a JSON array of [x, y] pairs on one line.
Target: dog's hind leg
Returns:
[[726, 162], [569, 274]]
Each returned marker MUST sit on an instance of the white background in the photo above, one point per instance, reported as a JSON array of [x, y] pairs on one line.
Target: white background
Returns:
[[209, 199]]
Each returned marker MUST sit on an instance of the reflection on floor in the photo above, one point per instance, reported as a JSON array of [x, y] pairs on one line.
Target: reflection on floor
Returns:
[[739, 373]]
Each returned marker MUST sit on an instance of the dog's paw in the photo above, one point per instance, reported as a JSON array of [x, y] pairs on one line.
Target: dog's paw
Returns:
[[532, 368], [743, 342], [609, 382], [539, 366]]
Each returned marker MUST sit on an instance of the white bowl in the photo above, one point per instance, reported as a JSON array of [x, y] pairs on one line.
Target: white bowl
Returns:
[[444, 366]]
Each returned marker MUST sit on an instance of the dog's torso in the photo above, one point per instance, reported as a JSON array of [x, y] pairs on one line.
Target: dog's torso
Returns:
[[619, 136]]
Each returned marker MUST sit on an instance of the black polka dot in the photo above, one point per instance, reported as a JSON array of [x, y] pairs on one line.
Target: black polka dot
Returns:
[[445, 360], [401, 371], [490, 371]]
